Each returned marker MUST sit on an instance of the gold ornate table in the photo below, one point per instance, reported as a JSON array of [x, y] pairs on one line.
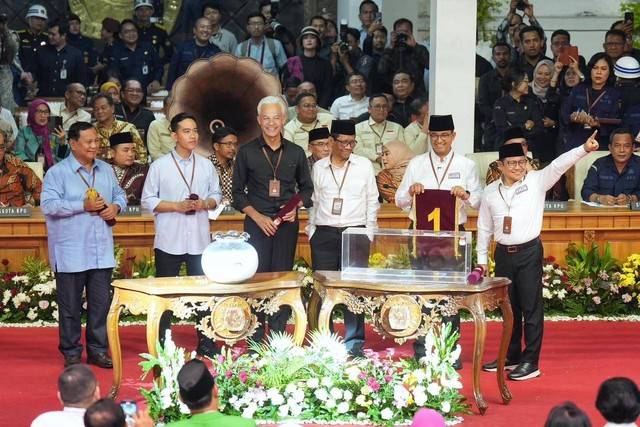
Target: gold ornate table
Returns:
[[231, 319], [396, 311]]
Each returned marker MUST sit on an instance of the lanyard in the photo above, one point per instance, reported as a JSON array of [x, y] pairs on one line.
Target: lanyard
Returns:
[[439, 181], [193, 171], [382, 134], [505, 201], [343, 176], [589, 104], [271, 164], [261, 55], [126, 116], [93, 180]]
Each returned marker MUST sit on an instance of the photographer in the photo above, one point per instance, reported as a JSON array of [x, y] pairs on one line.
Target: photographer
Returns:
[[347, 58], [404, 53], [509, 26], [274, 29], [8, 50]]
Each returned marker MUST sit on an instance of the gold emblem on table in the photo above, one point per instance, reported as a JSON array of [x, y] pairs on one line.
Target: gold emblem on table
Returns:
[[400, 316], [231, 320]]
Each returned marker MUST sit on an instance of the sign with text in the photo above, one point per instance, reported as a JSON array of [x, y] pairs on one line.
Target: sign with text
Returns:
[[131, 211], [553, 206], [14, 212]]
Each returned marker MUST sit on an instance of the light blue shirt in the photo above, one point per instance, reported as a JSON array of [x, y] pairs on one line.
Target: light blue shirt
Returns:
[[177, 233], [78, 241], [262, 52]]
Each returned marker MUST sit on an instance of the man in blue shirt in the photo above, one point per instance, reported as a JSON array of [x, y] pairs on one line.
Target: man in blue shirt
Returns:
[[81, 242], [268, 52], [614, 179]]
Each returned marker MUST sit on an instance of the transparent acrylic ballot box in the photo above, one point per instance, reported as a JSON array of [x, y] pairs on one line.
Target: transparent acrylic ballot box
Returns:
[[406, 256]]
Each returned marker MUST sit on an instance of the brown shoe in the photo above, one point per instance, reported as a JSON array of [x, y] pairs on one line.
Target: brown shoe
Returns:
[[101, 360], [71, 360]]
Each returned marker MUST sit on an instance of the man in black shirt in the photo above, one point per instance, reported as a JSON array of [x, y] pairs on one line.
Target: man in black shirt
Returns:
[[532, 40], [403, 90], [84, 45], [272, 170], [490, 90], [131, 111]]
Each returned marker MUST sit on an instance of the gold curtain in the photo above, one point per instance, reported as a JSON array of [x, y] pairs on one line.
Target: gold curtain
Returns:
[[92, 12]]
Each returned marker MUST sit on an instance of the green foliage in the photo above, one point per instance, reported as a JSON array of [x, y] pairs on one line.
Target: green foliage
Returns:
[[632, 6], [486, 10]]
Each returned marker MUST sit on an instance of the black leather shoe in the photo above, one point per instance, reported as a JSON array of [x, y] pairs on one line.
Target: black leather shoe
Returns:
[[101, 360], [457, 365], [71, 360], [509, 365], [356, 352], [524, 371]]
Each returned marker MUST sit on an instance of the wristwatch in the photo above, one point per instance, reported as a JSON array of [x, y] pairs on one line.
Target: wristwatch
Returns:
[[598, 200]]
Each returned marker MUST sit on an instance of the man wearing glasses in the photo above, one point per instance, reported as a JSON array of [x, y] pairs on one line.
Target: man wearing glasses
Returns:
[[441, 169], [350, 106], [318, 145], [131, 111], [71, 111], [346, 195], [267, 51], [307, 119], [513, 135], [511, 210], [377, 131], [269, 171]]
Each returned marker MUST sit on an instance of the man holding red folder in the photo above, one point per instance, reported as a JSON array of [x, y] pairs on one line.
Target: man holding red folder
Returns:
[[441, 169]]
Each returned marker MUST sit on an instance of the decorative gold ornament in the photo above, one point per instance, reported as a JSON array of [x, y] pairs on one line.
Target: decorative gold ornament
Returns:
[[400, 316]]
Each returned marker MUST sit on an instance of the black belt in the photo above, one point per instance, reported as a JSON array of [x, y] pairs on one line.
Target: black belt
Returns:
[[512, 249], [336, 230]]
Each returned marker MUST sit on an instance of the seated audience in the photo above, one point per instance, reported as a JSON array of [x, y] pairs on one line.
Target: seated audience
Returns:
[[199, 392], [35, 143], [107, 413], [107, 125], [373, 133], [159, 141], [225, 147], [404, 92], [416, 135], [307, 118], [19, 185], [614, 179], [395, 158], [350, 106], [513, 135], [112, 89], [71, 111], [619, 402], [8, 125], [319, 145], [129, 173], [77, 390], [132, 110], [305, 86], [567, 415]]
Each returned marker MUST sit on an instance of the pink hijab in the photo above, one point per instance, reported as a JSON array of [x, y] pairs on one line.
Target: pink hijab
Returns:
[[42, 131], [399, 156]]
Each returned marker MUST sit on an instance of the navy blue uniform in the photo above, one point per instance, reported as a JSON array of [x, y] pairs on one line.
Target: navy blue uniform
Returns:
[[142, 63], [29, 44], [55, 70], [603, 178], [157, 36], [185, 54], [89, 53]]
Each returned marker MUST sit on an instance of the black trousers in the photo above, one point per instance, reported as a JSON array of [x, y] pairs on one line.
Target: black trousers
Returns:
[[168, 265], [524, 269], [69, 297], [275, 253], [326, 254]]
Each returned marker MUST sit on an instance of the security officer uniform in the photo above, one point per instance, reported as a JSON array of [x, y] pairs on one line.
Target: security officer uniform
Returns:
[[142, 63], [157, 36]]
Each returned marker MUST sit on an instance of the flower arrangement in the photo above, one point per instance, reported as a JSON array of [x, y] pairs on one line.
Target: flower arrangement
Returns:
[[554, 285], [400, 261], [318, 382], [629, 284]]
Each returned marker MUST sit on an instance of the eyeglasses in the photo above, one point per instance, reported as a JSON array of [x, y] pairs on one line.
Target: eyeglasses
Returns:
[[43, 112], [309, 106], [79, 92], [436, 136], [380, 107], [346, 144], [513, 163], [320, 144], [130, 31], [357, 82], [229, 144], [133, 90]]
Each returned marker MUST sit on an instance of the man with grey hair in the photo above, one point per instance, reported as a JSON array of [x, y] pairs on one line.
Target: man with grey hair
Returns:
[[273, 170], [77, 390]]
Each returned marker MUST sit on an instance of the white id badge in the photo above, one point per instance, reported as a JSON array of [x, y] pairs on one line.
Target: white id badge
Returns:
[[145, 70], [63, 73], [40, 159]]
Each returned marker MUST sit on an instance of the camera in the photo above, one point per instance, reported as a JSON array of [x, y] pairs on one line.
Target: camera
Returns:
[[402, 38], [3, 18], [522, 5], [277, 27], [344, 45]]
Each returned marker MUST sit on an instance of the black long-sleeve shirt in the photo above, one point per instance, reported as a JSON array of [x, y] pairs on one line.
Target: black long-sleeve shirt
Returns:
[[56, 69], [252, 171], [508, 112]]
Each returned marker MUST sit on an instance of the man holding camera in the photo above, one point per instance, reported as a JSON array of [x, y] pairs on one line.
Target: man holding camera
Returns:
[[266, 51], [274, 29], [511, 23], [403, 52]]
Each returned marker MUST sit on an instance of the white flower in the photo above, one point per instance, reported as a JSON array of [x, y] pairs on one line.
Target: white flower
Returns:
[[313, 383], [277, 399], [295, 410], [352, 372], [55, 314], [362, 400], [32, 315], [361, 415], [298, 395], [249, 410], [561, 293], [43, 304], [445, 406], [433, 389], [321, 394], [183, 408], [419, 375], [165, 398], [327, 382], [400, 395], [283, 411], [6, 296], [336, 393], [419, 395], [290, 388], [451, 383], [626, 298], [386, 414], [330, 403], [366, 390], [546, 293], [343, 407], [347, 395], [84, 305]]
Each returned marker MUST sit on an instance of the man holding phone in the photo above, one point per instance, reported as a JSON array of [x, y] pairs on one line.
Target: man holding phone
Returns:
[[71, 111]]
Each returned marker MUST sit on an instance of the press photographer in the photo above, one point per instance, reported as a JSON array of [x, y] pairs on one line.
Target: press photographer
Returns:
[[275, 29]]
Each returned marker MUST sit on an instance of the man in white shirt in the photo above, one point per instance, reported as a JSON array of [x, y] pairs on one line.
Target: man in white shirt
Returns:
[[441, 169], [349, 107], [71, 111], [345, 195], [77, 389], [511, 211], [416, 134], [372, 134]]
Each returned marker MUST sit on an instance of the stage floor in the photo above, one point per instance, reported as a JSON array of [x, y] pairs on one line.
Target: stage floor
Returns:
[[576, 358]]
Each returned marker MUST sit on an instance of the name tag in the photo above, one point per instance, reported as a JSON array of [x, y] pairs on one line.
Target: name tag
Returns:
[[131, 211], [10, 212], [522, 189], [454, 175], [551, 206], [635, 206]]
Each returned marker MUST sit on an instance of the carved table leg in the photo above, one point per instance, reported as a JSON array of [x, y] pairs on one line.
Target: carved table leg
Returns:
[[507, 329], [294, 299], [477, 311], [324, 318], [113, 318], [157, 307], [314, 310]]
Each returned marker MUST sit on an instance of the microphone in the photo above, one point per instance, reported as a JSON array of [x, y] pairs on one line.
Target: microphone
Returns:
[[476, 276]]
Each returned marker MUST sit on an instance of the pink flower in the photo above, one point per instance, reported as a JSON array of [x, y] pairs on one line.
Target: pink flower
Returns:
[[587, 281], [43, 304], [259, 384], [228, 374], [362, 375], [388, 378], [214, 374], [236, 352], [254, 369], [221, 358], [596, 300], [243, 377], [375, 385], [390, 352], [5, 262]]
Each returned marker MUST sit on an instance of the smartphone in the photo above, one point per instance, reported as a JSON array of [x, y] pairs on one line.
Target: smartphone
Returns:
[[129, 408], [378, 17], [628, 17], [568, 53], [522, 5], [54, 123]]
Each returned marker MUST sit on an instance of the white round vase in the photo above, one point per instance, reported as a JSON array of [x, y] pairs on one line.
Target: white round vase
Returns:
[[229, 258]]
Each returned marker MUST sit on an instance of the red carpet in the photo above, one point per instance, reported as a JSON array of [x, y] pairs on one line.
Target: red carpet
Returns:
[[576, 358]]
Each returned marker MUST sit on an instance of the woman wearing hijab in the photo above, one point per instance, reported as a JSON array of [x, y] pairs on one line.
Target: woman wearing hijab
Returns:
[[395, 158], [545, 148], [35, 143], [112, 89]]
